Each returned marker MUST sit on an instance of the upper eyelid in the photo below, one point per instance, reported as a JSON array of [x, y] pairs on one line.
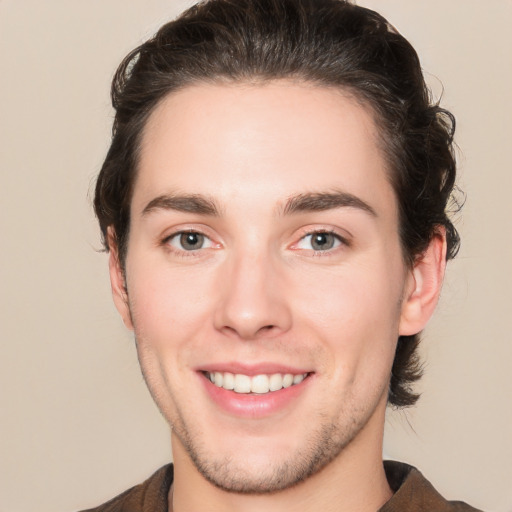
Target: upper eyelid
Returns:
[[345, 238], [182, 231], [177, 230], [176, 234], [303, 233], [322, 230], [342, 240], [168, 243]]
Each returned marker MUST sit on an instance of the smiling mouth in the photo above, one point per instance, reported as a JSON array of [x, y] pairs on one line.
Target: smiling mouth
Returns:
[[257, 384]]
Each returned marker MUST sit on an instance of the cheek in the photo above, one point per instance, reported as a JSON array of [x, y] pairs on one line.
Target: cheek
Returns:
[[169, 311], [341, 299], [354, 312], [168, 306]]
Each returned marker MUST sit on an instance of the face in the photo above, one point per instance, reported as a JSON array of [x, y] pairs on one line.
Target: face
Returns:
[[265, 280]]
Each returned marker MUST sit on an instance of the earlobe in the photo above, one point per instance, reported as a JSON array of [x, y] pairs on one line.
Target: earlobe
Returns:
[[423, 286], [117, 281]]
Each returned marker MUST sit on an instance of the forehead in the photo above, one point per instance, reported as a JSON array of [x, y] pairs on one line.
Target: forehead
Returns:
[[266, 141]]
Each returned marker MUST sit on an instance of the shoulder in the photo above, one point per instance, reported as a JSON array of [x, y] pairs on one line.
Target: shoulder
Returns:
[[414, 493], [149, 496]]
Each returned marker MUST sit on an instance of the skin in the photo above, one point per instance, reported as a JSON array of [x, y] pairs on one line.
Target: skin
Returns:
[[256, 292]]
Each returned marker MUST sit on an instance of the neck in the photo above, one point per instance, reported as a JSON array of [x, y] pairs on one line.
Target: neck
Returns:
[[354, 481]]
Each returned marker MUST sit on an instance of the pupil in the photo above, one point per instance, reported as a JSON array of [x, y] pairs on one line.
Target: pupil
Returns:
[[322, 241], [191, 241]]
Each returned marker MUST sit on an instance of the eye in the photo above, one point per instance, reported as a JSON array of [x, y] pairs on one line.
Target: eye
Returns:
[[189, 241], [319, 241]]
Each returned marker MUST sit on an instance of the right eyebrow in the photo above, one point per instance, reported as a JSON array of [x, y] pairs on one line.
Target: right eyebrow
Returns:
[[192, 203], [322, 201]]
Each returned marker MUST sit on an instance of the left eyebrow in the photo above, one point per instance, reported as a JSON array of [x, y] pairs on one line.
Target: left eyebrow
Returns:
[[322, 201], [191, 203]]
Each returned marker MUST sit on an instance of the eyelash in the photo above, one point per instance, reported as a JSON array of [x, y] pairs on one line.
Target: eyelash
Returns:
[[183, 252], [340, 240]]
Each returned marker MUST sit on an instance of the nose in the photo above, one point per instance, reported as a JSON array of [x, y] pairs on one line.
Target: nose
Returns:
[[253, 298]]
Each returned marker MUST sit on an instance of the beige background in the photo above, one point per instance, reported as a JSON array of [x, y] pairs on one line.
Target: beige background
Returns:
[[77, 425]]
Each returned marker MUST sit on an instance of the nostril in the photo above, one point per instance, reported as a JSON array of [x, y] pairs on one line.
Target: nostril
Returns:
[[246, 332]]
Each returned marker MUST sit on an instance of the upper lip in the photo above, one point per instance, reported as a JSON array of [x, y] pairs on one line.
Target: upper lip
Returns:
[[268, 368]]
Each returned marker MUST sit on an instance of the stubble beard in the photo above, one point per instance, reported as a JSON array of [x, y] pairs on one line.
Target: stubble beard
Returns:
[[233, 475], [321, 446]]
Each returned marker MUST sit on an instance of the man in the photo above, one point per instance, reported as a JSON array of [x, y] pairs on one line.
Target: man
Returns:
[[274, 204]]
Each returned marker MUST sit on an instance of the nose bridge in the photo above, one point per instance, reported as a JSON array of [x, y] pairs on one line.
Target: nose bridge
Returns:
[[251, 302]]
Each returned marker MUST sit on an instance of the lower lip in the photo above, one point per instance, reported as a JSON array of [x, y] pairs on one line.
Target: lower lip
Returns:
[[250, 405]]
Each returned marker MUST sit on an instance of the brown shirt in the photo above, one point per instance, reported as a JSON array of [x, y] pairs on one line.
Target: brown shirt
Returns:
[[412, 493]]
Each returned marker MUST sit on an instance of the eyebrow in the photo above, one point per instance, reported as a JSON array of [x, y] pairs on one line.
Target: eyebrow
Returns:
[[307, 202], [191, 203], [322, 201]]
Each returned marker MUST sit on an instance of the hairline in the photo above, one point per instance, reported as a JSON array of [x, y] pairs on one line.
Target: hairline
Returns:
[[350, 92]]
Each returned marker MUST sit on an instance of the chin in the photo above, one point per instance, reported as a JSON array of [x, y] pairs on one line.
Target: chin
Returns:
[[266, 470]]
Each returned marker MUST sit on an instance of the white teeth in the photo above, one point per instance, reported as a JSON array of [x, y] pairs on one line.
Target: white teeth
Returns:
[[229, 381], [297, 379], [289, 379], [276, 382], [242, 383], [260, 384]]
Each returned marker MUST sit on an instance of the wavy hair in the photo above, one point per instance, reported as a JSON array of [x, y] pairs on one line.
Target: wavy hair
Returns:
[[326, 42]]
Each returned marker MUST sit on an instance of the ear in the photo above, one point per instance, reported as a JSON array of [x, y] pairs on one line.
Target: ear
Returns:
[[117, 280], [423, 286]]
